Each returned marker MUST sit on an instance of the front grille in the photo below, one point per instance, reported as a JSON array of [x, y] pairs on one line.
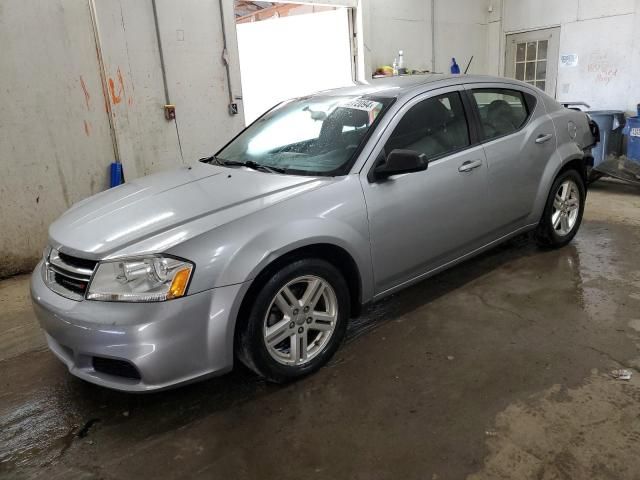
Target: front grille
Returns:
[[70, 284], [67, 275], [118, 368], [77, 262]]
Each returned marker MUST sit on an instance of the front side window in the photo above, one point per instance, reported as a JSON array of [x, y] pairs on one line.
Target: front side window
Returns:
[[436, 126], [501, 111], [317, 135]]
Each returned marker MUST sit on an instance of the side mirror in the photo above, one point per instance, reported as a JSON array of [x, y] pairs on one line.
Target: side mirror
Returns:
[[401, 161]]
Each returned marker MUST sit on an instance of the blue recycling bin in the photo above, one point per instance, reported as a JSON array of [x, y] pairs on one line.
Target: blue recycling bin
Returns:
[[632, 131], [610, 123]]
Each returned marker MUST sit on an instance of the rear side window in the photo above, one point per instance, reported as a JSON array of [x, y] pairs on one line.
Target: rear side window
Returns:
[[436, 126], [502, 111]]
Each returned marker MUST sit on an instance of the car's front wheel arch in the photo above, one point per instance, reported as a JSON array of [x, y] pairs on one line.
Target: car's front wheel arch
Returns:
[[294, 318], [333, 254]]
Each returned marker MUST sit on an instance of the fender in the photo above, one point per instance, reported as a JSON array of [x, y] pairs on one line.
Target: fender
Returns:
[[238, 251]]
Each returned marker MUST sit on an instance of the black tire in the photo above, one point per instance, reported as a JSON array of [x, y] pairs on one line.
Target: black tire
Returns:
[[252, 349], [546, 235]]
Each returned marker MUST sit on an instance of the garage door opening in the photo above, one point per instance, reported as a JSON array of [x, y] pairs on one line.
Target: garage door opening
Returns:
[[289, 50]]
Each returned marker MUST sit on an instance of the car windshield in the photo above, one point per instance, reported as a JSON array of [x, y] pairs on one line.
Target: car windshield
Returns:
[[317, 135]]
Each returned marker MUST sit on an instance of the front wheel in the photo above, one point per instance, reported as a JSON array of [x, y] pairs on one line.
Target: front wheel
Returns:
[[297, 321], [563, 212]]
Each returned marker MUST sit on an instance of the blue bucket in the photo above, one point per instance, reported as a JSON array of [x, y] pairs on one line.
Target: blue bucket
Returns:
[[632, 131]]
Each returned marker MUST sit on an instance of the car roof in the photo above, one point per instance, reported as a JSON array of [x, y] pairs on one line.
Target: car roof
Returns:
[[399, 86]]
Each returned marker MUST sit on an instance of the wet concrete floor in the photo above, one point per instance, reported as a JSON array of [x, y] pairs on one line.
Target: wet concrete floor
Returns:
[[498, 368]]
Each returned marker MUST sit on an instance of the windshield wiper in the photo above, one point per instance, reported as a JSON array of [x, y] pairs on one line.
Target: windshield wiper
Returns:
[[210, 159], [249, 164], [252, 165]]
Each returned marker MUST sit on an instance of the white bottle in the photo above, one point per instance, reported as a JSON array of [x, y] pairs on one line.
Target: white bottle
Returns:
[[395, 67], [400, 60]]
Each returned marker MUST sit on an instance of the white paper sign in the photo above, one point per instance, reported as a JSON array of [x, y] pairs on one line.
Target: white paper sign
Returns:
[[362, 104], [569, 60]]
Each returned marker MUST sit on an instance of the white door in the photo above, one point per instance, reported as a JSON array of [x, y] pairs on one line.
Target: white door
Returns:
[[533, 58]]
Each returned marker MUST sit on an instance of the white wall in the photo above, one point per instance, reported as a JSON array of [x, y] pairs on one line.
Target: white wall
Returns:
[[55, 137], [602, 33], [146, 141], [196, 75], [460, 31], [55, 143], [400, 25], [191, 37]]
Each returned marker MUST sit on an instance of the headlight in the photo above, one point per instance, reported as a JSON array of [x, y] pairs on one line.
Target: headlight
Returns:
[[149, 279]]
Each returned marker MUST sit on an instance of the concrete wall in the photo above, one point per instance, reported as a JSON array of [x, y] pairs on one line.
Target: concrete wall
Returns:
[[55, 142], [74, 103], [191, 37], [55, 137], [602, 33]]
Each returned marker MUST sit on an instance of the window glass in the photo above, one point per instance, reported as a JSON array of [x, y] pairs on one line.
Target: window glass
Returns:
[[531, 67], [542, 49], [532, 48], [501, 111], [317, 135], [435, 127], [520, 49]]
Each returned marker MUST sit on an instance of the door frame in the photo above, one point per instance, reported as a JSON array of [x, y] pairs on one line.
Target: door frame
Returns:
[[552, 34]]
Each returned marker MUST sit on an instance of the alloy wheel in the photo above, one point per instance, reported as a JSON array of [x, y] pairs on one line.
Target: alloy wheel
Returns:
[[300, 320], [566, 207]]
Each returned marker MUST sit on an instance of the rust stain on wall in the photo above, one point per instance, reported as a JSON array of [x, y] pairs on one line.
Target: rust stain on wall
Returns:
[[87, 97], [87, 128], [116, 97]]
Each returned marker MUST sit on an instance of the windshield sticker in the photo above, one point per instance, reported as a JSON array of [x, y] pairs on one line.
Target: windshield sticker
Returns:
[[372, 107]]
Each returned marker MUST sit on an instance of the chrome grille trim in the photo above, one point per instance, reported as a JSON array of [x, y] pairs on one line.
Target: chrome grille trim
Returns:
[[56, 273], [56, 261]]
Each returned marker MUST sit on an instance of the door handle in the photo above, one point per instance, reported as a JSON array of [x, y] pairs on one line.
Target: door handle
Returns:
[[544, 138], [469, 165]]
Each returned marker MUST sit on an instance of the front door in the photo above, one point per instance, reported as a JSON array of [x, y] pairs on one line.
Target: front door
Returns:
[[533, 58], [421, 221]]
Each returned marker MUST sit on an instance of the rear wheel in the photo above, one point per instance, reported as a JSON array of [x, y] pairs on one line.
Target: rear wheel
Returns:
[[563, 212], [297, 321]]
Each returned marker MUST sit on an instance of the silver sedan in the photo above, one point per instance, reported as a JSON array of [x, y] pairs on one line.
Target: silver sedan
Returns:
[[265, 250]]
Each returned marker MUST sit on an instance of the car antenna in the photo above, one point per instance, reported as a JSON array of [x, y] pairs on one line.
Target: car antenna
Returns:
[[468, 65]]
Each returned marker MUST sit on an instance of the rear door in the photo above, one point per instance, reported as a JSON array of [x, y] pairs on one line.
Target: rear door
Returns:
[[519, 139], [420, 221]]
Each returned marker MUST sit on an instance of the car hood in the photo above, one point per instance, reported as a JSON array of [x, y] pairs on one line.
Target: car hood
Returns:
[[110, 221]]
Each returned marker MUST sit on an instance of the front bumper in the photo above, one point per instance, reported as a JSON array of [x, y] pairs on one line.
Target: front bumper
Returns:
[[168, 343]]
